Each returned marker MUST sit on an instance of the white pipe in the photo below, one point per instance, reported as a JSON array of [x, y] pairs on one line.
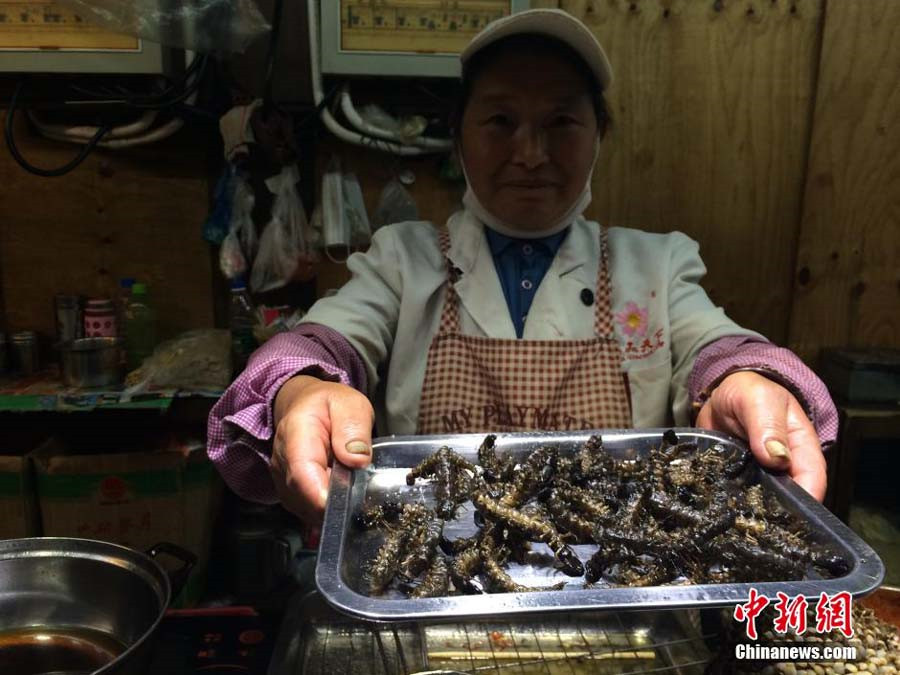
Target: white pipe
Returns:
[[350, 112], [330, 123], [87, 133], [157, 134]]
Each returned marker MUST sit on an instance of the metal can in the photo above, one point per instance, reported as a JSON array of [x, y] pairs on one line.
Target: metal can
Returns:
[[69, 324], [25, 352], [99, 318]]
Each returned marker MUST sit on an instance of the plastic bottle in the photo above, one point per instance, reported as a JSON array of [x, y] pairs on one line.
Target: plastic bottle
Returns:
[[241, 318], [140, 327], [122, 300]]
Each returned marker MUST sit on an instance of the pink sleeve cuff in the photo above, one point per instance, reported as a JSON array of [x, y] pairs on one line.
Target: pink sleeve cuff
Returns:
[[732, 353], [240, 426]]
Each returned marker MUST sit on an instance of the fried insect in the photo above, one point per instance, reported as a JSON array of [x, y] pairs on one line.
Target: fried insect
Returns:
[[540, 530], [421, 548], [497, 577], [678, 514], [436, 582], [537, 470]]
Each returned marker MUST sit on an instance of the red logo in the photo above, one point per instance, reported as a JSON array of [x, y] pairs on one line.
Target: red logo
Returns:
[[832, 613], [113, 489], [750, 610]]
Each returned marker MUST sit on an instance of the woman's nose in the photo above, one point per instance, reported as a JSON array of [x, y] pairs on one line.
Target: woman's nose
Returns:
[[529, 146]]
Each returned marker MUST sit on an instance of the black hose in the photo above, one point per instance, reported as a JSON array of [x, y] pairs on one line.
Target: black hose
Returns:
[[36, 170]]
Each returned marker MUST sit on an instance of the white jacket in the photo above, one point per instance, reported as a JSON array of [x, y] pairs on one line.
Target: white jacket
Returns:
[[390, 310]]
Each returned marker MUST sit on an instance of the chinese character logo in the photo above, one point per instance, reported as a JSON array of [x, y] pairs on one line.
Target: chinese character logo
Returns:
[[750, 610]]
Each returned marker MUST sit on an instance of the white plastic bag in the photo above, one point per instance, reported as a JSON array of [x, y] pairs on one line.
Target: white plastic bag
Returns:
[[395, 205], [286, 239], [197, 361], [241, 238], [345, 221]]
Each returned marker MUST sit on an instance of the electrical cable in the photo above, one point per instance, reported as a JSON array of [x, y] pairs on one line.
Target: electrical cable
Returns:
[[353, 116], [38, 171], [327, 118]]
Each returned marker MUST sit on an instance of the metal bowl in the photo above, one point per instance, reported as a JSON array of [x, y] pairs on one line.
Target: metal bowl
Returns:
[[92, 362], [79, 606]]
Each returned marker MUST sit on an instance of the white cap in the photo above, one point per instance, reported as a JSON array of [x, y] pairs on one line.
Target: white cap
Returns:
[[554, 23]]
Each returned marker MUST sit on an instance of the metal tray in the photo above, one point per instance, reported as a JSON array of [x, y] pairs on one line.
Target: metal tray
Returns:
[[345, 550]]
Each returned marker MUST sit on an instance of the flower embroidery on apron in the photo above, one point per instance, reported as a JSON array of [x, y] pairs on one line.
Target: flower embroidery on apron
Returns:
[[477, 384]]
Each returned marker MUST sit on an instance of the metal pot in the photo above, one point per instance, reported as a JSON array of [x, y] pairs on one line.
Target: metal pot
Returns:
[[91, 362], [80, 607]]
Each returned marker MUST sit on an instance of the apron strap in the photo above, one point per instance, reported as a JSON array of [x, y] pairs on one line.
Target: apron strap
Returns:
[[450, 313], [603, 319]]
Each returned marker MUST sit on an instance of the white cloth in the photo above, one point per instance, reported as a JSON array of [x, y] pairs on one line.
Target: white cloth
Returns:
[[390, 310], [473, 205]]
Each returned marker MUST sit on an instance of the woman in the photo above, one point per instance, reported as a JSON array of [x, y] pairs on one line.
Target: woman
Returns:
[[519, 314]]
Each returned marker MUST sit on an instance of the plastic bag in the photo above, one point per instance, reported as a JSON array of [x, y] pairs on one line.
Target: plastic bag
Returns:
[[395, 205], [217, 224], [286, 239], [198, 360], [241, 235], [355, 211], [242, 223], [345, 221], [197, 25]]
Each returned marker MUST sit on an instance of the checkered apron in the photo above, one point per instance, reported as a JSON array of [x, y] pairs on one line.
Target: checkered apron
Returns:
[[478, 384]]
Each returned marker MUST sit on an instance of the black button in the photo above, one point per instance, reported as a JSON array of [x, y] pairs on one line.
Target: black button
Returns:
[[587, 296]]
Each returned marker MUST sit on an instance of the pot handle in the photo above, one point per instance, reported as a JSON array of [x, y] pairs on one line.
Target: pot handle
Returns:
[[177, 578]]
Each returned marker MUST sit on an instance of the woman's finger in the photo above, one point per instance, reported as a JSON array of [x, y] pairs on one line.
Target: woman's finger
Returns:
[[808, 467], [351, 419]]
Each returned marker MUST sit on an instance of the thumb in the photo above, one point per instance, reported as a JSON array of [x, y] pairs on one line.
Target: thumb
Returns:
[[352, 418], [765, 424]]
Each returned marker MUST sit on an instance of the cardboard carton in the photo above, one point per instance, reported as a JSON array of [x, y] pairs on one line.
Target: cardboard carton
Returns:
[[18, 505], [165, 491]]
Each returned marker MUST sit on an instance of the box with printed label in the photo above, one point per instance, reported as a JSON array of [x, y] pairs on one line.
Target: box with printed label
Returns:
[[165, 491], [18, 504]]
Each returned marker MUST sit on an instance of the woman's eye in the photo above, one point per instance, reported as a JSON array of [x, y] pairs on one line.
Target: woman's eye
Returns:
[[499, 120]]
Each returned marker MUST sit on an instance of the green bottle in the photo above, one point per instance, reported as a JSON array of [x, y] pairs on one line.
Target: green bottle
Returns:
[[140, 327]]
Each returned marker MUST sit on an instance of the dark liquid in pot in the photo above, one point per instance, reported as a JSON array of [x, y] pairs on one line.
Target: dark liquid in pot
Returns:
[[47, 650]]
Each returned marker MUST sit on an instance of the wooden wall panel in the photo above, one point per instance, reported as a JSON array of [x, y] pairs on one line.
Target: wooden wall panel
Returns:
[[711, 106], [130, 213], [848, 268]]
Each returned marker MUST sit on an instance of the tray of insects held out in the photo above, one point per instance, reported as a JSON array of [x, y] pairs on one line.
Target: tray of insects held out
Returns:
[[476, 525]]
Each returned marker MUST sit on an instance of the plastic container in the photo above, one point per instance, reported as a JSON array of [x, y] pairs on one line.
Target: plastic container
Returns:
[[140, 327], [241, 319], [99, 318]]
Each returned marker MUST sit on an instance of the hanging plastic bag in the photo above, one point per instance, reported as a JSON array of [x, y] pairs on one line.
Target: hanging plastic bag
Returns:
[[355, 211], [241, 240], [217, 224], [285, 242], [335, 230], [197, 25], [395, 205], [242, 218]]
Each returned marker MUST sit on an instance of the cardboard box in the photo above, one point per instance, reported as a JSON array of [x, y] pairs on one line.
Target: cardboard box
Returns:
[[166, 491], [18, 503]]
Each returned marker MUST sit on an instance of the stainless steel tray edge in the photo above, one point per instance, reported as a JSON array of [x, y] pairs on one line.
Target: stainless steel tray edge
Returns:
[[865, 576]]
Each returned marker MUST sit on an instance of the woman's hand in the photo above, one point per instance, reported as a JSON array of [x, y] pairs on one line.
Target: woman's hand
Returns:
[[780, 434], [316, 421]]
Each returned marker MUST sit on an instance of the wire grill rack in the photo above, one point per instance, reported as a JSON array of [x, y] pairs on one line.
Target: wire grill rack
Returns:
[[321, 642]]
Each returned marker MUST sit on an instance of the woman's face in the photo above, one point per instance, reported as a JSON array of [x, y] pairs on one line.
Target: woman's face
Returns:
[[528, 135]]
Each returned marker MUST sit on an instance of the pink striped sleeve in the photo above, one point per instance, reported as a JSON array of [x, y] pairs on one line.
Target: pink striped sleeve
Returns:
[[240, 427], [732, 353]]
